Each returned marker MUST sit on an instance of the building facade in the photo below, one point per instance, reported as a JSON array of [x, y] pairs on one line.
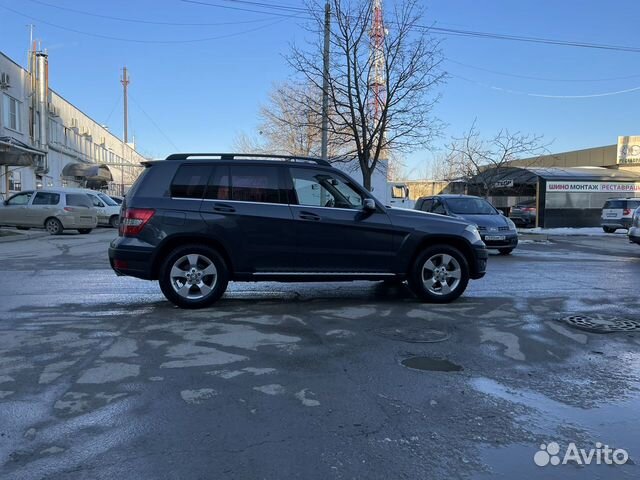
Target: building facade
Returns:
[[46, 141]]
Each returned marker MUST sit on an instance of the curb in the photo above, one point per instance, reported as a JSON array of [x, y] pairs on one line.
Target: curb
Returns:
[[23, 236], [536, 237]]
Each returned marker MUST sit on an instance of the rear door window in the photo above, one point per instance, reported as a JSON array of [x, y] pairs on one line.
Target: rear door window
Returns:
[[190, 181], [46, 198], [426, 205], [79, 200], [219, 187], [256, 183]]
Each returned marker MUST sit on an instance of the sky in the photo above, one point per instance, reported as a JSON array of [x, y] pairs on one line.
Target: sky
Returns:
[[197, 87]]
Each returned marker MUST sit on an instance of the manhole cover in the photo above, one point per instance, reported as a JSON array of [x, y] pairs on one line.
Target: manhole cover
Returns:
[[597, 323], [413, 334], [430, 364]]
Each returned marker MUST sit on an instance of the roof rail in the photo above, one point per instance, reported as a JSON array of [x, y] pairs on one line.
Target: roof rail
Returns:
[[246, 156]]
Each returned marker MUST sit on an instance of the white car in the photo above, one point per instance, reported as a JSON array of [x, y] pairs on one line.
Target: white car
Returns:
[[107, 209], [634, 229]]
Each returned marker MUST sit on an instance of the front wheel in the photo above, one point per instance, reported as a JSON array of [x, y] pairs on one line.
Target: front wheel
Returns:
[[440, 274], [505, 251], [114, 221], [193, 276]]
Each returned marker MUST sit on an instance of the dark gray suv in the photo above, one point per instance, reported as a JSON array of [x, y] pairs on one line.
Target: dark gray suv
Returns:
[[196, 221]]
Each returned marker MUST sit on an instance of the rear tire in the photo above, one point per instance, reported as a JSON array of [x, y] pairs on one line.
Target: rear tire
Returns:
[[505, 251], [85, 231], [609, 229], [440, 274], [193, 276], [53, 226], [114, 221]]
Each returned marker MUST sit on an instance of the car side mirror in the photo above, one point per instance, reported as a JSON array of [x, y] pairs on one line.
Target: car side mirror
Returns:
[[369, 205]]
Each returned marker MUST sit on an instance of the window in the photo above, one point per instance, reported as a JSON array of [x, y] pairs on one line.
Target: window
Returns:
[[426, 205], [439, 208], [107, 199], [46, 198], [470, 206], [96, 201], [258, 183], [399, 191], [11, 109], [190, 181], [20, 199], [324, 189], [15, 181], [218, 187], [78, 200]]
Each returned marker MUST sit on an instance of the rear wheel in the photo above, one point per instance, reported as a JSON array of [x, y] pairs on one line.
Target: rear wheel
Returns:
[[193, 276], [84, 231], [114, 221], [440, 274], [609, 229], [53, 226], [505, 251]]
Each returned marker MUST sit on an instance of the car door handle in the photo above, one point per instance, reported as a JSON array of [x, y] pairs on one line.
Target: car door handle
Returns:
[[219, 207], [309, 216]]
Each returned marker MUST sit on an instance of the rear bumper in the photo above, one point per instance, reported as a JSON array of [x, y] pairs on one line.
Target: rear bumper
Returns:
[[479, 266], [616, 222], [131, 257], [69, 222]]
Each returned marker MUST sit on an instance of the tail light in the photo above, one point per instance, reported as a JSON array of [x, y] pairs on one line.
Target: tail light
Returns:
[[134, 220], [626, 211], [528, 209]]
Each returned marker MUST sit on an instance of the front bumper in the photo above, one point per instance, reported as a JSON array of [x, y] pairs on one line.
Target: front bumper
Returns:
[[130, 257], [510, 240], [480, 257]]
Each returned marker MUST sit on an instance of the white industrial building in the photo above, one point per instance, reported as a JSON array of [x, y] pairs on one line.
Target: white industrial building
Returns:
[[46, 141]]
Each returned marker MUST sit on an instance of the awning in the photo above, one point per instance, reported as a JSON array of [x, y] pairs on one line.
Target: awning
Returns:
[[88, 171], [16, 153]]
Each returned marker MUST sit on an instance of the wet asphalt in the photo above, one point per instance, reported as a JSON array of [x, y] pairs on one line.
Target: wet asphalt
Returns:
[[101, 378]]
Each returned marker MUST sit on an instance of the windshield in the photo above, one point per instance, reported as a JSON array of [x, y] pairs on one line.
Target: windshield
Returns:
[[470, 206], [107, 199]]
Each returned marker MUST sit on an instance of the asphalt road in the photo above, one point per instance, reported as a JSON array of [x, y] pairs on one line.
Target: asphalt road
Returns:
[[101, 378]]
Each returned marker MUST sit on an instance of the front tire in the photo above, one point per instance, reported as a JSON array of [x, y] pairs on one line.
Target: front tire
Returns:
[[440, 274], [193, 276], [505, 251], [53, 226], [114, 221]]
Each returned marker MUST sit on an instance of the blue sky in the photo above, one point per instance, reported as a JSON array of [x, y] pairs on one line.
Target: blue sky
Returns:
[[202, 94]]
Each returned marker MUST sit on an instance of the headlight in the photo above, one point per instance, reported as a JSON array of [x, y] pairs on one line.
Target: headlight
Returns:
[[512, 226], [473, 230]]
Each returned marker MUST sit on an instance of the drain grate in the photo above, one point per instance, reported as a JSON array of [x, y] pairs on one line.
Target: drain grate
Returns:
[[597, 323], [413, 334]]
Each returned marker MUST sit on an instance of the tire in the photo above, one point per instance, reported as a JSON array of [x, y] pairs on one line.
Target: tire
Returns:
[[85, 231], [114, 221], [505, 251], [23, 228], [609, 229], [53, 226], [193, 260], [439, 256]]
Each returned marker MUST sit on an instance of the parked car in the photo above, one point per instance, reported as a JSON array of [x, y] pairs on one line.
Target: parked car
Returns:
[[55, 210], [634, 229], [617, 213], [524, 213], [108, 210], [116, 199], [496, 230], [195, 221]]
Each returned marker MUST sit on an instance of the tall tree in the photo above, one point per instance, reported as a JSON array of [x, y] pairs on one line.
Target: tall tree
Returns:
[[402, 121]]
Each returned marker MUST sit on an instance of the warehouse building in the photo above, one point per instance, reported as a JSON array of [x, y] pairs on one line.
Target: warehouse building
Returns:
[[46, 141]]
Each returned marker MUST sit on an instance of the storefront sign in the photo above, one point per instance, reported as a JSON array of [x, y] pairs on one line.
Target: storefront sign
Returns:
[[593, 187], [503, 183], [629, 150]]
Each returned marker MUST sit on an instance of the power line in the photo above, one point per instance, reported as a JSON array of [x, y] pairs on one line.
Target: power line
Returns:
[[143, 41], [242, 9], [146, 22], [166, 137], [546, 79]]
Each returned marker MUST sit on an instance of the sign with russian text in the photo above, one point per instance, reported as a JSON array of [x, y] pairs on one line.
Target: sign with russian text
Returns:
[[594, 187], [629, 150]]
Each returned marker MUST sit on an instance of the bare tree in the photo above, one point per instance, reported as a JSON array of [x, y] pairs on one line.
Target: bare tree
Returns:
[[402, 120], [472, 156]]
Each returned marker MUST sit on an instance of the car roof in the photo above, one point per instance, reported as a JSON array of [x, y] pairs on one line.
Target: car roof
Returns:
[[449, 195]]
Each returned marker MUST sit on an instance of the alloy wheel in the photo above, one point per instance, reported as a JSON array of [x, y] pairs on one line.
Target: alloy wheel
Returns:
[[193, 276], [441, 274]]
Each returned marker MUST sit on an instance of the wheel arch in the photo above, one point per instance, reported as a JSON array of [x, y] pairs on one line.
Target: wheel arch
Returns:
[[170, 243], [458, 243]]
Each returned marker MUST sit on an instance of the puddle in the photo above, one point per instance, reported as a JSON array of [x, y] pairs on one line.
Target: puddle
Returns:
[[431, 364]]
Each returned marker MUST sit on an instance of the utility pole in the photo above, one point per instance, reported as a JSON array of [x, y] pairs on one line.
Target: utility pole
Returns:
[[325, 82], [125, 85]]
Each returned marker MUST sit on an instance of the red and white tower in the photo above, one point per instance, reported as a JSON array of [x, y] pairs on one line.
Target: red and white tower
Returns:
[[378, 80]]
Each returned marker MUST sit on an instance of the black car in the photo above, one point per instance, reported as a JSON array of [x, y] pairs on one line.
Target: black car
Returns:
[[496, 230], [195, 221]]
